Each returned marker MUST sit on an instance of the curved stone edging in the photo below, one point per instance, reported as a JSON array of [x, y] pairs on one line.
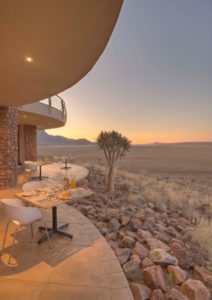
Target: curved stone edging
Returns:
[[116, 280]]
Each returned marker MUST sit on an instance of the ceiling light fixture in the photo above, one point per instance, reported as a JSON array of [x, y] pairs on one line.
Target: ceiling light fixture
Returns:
[[29, 59]]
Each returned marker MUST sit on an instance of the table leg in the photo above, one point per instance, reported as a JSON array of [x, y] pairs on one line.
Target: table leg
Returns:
[[55, 229], [40, 175]]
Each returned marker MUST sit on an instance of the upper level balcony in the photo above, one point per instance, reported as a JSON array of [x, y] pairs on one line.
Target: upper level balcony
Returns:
[[45, 114]]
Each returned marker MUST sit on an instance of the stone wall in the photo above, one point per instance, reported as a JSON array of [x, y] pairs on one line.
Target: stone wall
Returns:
[[30, 142], [8, 147]]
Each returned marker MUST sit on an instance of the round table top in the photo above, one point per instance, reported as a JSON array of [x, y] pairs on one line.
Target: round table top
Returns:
[[58, 173]]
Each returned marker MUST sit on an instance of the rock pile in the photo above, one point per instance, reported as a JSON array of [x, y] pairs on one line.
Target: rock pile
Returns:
[[149, 243]]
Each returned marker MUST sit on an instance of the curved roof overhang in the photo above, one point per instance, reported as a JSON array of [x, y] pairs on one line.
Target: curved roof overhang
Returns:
[[49, 45]]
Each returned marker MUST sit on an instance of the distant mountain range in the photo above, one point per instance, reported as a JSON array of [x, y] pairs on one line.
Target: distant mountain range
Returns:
[[44, 138]]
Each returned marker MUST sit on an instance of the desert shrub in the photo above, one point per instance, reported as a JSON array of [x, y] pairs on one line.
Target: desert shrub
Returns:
[[203, 237]]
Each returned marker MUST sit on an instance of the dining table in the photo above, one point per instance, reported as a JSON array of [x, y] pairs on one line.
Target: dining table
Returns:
[[46, 199]]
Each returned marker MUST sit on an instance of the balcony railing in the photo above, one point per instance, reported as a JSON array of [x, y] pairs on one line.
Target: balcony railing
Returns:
[[56, 102], [53, 106]]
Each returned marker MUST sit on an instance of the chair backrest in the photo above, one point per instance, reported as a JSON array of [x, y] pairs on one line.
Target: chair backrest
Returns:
[[34, 185], [17, 211], [29, 165]]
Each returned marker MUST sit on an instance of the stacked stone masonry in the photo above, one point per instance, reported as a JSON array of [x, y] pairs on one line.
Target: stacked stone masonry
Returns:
[[30, 141], [8, 147]]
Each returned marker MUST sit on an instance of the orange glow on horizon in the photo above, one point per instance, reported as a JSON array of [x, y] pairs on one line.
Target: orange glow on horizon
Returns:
[[135, 138]]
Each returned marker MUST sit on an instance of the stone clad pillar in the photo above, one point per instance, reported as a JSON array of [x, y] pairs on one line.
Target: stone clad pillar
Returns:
[[30, 142], [8, 147]]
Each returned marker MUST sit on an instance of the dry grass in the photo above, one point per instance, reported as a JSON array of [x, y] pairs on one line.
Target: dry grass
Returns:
[[203, 237]]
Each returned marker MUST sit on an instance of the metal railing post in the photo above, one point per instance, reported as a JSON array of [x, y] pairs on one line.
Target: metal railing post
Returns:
[[50, 105]]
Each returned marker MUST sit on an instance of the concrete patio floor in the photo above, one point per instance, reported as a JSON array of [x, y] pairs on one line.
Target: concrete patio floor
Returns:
[[84, 268]]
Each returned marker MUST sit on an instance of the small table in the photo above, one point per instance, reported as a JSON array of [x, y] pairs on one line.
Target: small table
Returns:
[[40, 200], [39, 164], [66, 164]]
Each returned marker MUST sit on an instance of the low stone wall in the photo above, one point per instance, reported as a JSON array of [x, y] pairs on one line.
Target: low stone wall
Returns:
[[8, 147], [30, 142]]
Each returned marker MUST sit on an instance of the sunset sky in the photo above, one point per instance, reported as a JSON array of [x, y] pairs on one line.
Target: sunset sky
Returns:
[[154, 79]]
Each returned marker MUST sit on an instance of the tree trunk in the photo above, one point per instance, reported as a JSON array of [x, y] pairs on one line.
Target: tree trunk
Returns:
[[110, 183]]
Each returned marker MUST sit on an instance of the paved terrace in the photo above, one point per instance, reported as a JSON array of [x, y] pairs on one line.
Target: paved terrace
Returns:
[[84, 268]]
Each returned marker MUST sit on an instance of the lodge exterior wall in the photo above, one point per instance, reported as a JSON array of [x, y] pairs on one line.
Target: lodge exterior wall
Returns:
[[8, 147]]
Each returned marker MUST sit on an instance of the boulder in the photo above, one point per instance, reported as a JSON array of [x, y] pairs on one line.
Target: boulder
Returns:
[[162, 236], [102, 228], [132, 234], [125, 220], [132, 270], [204, 274], [179, 275], [161, 257], [113, 212], [114, 225], [143, 234], [172, 231], [157, 295], [195, 290], [135, 224], [178, 249], [141, 202], [174, 294], [140, 250], [128, 242], [136, 258], [149, 211], [154, 277], [156, 244], [149, 224], [103, 217], [111, 236], [147, 262], [140, 291], [123, 255]]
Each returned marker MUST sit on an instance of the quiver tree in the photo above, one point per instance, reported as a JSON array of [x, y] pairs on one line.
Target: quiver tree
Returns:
[[115, 147]]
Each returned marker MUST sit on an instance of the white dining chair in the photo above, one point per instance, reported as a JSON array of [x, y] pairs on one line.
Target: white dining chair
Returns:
[[20, 215], [30, 169]]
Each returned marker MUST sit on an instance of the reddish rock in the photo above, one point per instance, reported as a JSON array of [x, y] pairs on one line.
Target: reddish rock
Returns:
[[135, 224], [125, 220], [174, 294], [154, 277], [135, 257], [123, 255], [178, 274], [204, 274], [161, 257], [195, 290], [178, 249], [128, 242], [140, 250], [132, 270], [144, 234], [146, 263], [156, 244], [140, 292], [114, 224], [157, 295]]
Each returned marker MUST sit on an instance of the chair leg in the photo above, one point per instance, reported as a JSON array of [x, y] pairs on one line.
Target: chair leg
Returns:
[[32, 231], [5, 237], [11, 247], [47, 233]]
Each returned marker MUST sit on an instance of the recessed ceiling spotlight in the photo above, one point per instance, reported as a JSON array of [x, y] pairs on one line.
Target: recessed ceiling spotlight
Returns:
[[29, 59]]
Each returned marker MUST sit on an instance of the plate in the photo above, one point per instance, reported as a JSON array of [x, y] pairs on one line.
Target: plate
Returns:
[[31, 193]]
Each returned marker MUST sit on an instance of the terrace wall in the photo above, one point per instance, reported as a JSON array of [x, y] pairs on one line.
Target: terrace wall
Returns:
[[8, 147]]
